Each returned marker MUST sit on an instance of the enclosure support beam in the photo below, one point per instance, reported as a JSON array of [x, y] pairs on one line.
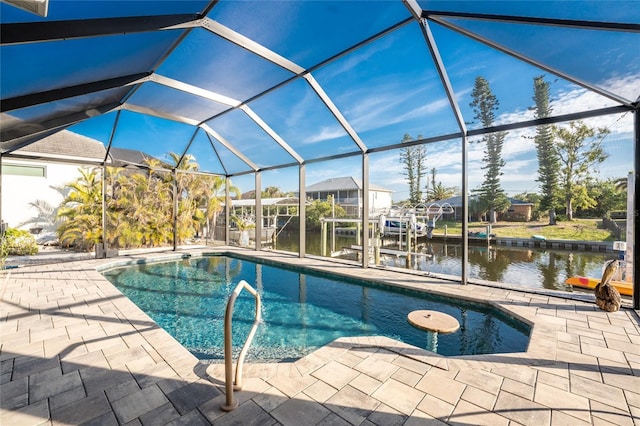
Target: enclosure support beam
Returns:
[[104, 210], [539, 64], [227, 210], [365, 210], [44, 31], [302, 214], [175, 210], [636, 210], [444, 78], [465, 211], [258, 229]]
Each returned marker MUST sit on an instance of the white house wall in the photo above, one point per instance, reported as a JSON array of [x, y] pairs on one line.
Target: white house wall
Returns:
[[19, 191]]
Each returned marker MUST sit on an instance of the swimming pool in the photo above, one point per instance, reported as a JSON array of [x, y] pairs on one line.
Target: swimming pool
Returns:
[[301, 310]]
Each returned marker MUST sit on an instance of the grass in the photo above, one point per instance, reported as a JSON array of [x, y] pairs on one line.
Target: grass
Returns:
[[578, 229]]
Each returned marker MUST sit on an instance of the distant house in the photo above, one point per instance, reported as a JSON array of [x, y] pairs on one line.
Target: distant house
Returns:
[[347, 191], [518, 211]]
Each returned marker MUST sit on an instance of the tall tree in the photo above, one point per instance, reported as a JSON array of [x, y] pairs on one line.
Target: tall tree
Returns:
[[81, 211], [579, 148], [190, 218], [484, 105], [429, 189], [414, 159], [548, 161]]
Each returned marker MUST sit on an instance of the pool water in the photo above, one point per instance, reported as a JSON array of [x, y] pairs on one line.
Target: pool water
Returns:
[[301, 311]]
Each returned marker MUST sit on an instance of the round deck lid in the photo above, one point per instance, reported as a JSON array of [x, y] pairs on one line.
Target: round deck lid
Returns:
[[433, 321]]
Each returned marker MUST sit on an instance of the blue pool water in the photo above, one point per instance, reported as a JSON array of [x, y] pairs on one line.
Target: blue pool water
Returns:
[[301, 311]]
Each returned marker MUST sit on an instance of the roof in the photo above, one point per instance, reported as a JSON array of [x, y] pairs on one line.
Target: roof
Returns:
[[342, 184], [248, 86], [128, 156], [65, 145]]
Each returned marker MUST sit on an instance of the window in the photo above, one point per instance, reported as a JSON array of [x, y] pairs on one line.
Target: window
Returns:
[[23, 170]]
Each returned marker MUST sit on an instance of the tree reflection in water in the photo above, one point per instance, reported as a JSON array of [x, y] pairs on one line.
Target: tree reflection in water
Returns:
[[528, 267]]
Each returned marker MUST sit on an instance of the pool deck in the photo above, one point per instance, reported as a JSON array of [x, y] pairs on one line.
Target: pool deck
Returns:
[[74, 350]]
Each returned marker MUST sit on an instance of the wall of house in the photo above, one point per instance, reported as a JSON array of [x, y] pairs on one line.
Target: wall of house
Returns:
[[32, 182], [379, 201], [518, 213]]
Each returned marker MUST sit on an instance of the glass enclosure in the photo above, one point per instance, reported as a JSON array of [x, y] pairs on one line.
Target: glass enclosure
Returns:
[[423, 127]]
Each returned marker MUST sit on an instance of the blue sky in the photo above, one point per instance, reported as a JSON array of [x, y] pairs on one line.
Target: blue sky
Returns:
[[384, 89]]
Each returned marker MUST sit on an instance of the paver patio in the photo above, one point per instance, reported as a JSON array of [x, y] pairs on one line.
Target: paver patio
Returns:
[[76, 351]]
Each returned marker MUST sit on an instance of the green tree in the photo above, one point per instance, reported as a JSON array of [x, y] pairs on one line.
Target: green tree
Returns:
[[211, 199], [17, 242], [414, 159], [318, 209], [607, 198], [140, 205], [141, 209], [272, 192], [438, 191], [579, 148], [477, 207], [484, 105], [622, 183], [81, 211], [190, 218], [548, 161]]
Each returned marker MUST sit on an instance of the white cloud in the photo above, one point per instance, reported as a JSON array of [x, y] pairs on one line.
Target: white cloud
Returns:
[[520, 172], [325, 133]]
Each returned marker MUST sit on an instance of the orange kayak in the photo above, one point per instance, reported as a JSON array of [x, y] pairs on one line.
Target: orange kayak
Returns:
[[625, 288]]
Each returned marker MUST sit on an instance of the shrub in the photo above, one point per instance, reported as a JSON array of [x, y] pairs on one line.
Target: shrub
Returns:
[[18, 242]]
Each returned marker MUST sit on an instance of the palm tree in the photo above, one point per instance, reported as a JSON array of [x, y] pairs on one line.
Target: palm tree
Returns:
[[212, 198], [272, 192], [81, 211], [189, 188], [440, 192], [141, 208], [140, 205]]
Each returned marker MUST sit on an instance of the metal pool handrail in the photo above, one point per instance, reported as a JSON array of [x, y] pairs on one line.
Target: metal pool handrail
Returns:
[[228, 345]]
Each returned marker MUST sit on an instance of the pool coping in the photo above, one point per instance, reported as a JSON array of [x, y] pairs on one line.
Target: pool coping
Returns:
[[566, 335]]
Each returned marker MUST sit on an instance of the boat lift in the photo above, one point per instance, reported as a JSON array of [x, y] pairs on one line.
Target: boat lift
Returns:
[[436, 211], [412, 222], [421, 218]]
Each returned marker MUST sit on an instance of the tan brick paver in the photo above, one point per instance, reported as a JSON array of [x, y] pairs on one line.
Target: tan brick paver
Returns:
[[74, 350]]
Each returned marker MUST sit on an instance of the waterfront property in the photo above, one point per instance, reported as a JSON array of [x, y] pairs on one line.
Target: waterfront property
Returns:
[[75, 350], [228, 97], [348, 193]]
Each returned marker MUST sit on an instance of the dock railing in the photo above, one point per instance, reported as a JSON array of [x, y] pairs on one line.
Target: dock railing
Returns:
[[230, 404]]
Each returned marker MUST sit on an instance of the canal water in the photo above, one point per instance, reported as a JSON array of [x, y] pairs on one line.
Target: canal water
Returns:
[[523, 266]]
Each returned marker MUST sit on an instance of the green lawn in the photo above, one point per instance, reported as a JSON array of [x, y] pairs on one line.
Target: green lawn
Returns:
[[578, 229]]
